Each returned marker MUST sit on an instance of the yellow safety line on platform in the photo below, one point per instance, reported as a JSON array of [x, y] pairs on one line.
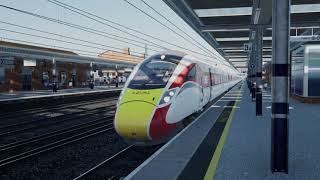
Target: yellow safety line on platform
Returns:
[[217, 154]]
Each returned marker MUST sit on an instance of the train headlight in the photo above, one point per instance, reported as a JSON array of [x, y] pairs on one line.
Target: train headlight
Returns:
[[166, 99], [171, 93], [168, 95]]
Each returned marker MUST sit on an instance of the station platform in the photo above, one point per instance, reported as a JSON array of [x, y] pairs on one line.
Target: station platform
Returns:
[[239, 148], [25, 95], [247, 150]]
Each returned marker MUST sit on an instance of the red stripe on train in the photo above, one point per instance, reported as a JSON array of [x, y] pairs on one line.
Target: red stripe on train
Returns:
[[159, 128], [181, 77]]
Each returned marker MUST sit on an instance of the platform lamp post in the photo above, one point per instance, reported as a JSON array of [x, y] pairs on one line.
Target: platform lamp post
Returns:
[[54, 76], [74, 75], [253, 65], [91, 84], [145, 51], [249, 72], [280, 85], [117, 76], [259, 47]]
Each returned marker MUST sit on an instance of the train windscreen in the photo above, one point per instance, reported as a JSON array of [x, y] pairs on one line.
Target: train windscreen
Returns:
[[153, 74]]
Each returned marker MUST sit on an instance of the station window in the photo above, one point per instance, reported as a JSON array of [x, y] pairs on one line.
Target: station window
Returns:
[[45, 79], [63, 77]]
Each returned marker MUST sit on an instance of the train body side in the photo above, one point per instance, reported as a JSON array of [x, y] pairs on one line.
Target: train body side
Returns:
[[152, 111]]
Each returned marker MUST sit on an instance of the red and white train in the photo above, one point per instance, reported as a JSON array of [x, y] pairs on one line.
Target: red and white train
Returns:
[[163, 90]]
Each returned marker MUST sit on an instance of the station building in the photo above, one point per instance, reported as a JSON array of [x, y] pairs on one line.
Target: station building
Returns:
[[21, 74], [34, 71], [124, 56]]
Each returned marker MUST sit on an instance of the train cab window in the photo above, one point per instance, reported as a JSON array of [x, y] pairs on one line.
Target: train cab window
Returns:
[[191, 76], [152, 74]]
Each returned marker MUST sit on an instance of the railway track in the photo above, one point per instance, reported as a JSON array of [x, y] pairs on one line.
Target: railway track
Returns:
[[91, 171], [53, 140], [89, 122], [33, 124], [33, 111], [119, 164]]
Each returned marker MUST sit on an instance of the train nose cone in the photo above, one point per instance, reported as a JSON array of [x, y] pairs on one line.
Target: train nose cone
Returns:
[[133, 118]]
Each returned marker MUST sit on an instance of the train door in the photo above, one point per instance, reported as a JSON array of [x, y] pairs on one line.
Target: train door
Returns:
[[200, 80]]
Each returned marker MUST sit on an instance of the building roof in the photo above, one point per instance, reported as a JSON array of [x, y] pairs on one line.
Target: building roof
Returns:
[[124, 56], [18, 45], [226, 25], [39, 53]]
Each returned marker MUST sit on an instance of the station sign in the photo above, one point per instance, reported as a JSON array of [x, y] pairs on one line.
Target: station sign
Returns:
[[252, 65], [127, 69], [305, 38], [29, 63]]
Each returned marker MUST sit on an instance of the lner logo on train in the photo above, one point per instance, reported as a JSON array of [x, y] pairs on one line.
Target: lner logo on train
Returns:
[[161, 92]]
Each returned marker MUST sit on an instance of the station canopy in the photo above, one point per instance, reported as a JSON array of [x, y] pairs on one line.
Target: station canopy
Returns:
[[229, 24]]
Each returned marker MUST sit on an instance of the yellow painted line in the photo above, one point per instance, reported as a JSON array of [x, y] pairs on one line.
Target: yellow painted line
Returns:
[[217, 154]]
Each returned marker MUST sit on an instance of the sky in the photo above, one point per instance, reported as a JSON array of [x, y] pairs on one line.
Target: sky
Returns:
[[115, 10]]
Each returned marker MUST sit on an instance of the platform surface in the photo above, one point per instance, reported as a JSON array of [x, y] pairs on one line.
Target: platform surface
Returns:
[[172, 160], [247, 150], [48, 93]]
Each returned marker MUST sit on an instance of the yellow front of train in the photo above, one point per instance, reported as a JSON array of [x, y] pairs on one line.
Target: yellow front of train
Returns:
[[140, 116], [134, 113]]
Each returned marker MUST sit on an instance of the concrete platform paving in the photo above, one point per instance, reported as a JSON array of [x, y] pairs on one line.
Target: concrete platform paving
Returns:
[[187, 155], [247, 150]]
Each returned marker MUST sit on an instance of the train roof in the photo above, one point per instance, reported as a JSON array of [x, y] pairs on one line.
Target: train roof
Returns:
[[192, 58], [172, 52]]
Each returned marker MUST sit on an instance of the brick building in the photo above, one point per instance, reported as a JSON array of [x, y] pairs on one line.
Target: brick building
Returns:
[[18, 73], [124, 56]]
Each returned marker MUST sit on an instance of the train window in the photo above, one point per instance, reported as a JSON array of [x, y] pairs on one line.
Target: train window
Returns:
[[152, 75], [191, 76]]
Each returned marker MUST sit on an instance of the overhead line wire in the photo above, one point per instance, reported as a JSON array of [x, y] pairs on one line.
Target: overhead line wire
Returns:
[[72, 49], [81, 27], [51, 46], [46, 32], [214, 55], [118, 29], [144, 2], [87, 29], [71, 8], [172, 30]]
